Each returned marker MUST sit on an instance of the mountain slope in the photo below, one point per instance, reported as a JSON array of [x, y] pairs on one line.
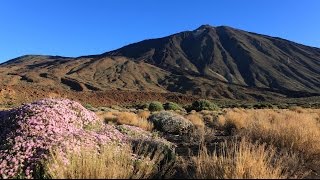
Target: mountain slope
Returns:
[[208, 62], [233, 56]]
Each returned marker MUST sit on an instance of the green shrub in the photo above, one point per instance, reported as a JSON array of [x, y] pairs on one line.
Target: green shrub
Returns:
[[171, 106], [188, 107], [202, 104], [90, 107], [283, 106], [263, 105], [155, 106], [247, 106], [143, 106]]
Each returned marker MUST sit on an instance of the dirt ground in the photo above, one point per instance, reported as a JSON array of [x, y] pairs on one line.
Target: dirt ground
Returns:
[[15, 95]]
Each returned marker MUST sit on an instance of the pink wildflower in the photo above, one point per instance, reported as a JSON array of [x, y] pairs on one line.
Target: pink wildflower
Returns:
[[28, 133]]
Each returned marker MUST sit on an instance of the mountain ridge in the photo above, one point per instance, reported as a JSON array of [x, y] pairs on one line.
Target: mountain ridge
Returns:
[[82, 56], [220, 62]]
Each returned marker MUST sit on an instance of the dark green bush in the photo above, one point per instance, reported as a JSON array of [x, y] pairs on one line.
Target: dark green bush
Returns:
[[283, 106], [263, 105], [187, 107], [202, 104], [171, 106], [248, 106], [155, 106], [143, 106]]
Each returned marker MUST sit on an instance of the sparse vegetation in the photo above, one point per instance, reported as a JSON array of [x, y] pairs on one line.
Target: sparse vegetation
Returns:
[[121, 143]]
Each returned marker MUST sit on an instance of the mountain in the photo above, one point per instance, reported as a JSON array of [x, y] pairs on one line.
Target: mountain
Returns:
[[220, 62]]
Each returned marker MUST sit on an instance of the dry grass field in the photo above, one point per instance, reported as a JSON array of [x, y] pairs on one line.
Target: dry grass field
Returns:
[[268, 143]]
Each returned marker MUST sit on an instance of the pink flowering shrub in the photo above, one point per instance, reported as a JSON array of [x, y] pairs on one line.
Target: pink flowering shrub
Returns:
[[28, 133]]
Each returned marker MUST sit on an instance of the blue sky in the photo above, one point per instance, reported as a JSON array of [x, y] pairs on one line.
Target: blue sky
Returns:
[[84, 27]]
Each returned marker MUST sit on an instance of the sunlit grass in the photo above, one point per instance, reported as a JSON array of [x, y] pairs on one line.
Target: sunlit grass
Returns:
[[241, 160], [295, 130], [110, 162]]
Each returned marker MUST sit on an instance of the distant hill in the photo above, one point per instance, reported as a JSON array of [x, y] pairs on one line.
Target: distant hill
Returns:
[[219, 62]]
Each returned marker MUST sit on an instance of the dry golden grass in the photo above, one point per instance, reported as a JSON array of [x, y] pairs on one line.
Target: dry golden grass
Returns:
[[4, 108], [285, 129], [110, 162], [221, 121], [144, 114], [232, 120], [128, 118], [193, 111], [206, 112], [133, 120], [90, 164], [196, 120], [208, 119], [107, 116], [241, 160], [297, 109]]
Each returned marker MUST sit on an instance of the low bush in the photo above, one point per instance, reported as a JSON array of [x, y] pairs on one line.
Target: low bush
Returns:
[[143, 106], [170, 122], [155, 106], [187, 107], [90, 107], [202, 104], [283, 106], [262, 105], [247, 106], [171, 106]]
